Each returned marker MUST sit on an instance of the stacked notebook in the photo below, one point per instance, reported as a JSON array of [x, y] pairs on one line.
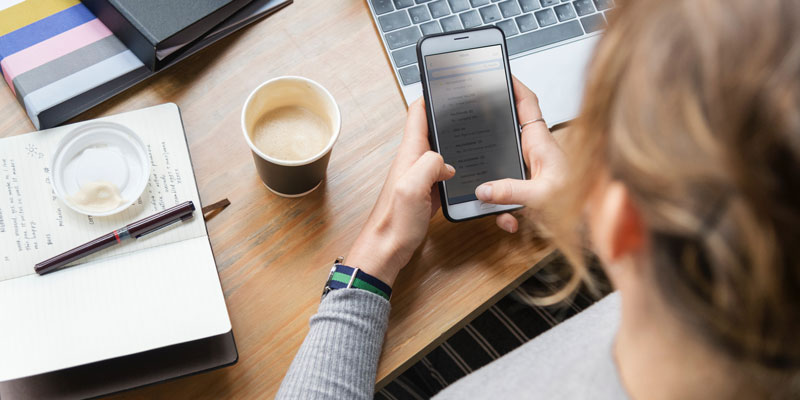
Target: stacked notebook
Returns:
[[157, 30], [59, 59]]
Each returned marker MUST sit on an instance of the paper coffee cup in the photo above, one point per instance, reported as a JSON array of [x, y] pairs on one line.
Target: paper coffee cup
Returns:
[[290, 177]]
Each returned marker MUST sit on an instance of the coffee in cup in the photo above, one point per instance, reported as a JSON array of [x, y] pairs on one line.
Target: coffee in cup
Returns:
[[291, 133], [291, 124]]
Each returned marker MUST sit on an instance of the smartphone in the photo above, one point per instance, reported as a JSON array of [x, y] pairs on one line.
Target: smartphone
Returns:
[[472, 118]]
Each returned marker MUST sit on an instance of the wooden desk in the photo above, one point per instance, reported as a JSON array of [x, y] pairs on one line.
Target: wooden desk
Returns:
[[273, 253]]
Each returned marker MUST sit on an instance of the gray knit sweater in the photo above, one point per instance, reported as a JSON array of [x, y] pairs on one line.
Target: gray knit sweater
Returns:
[[339, 357]]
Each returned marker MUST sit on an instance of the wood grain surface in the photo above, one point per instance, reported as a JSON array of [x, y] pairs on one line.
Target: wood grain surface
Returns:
[[273, 253]]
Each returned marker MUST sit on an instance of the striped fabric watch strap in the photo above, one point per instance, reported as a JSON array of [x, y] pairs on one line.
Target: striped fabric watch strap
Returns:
[[342, 275]]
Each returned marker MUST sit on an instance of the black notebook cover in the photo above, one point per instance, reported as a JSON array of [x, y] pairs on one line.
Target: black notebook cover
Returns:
[[157, 30], [69, 108], [125, 373]]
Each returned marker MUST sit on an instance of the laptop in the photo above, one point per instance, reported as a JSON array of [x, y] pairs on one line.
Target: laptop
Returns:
[[549, 42]]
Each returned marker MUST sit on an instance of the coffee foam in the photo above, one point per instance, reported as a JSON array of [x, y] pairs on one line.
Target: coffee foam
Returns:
[[291, 133], [289, 109]]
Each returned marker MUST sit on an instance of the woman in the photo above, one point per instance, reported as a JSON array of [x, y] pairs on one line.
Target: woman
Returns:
[[685, 169]]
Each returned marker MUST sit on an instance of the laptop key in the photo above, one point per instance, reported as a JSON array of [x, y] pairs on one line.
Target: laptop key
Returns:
[[458, 5], [395, 20], [509, 27], [548, 3], [382, 6], [405, 56], [423, 1], [419, 14], [403, 3], [593, 23], [546, 17], [603, 4], [402, 37], [564, 12], [409, 75], [583, 7], [429, 28], [451, 23], [529, 5], [490, 14], [544, 37], [470, 19], [509, 8], [439, 8], [478, 3], [526, 23]]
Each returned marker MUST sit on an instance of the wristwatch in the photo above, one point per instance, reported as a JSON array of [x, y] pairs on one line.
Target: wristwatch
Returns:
[[344, 277]]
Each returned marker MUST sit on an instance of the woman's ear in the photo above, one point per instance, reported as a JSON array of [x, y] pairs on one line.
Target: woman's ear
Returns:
[[616, 225]]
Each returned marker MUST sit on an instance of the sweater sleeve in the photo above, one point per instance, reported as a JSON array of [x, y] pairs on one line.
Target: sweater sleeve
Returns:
[[339, 357]]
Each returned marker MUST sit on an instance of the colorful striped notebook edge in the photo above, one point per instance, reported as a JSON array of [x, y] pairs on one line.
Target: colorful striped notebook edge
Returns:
[[75, 63], [54, 50]]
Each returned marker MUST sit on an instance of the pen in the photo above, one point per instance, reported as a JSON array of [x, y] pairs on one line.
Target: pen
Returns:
[[135, 230]]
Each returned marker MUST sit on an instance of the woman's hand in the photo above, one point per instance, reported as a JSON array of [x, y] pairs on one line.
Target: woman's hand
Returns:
[[409, 198], [544, 158]]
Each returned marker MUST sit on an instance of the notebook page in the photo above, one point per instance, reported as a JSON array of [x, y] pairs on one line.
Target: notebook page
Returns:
[[110, 308], [35, 225]]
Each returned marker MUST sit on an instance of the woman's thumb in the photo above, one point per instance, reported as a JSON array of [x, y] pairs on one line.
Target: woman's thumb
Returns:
[[505, 191]]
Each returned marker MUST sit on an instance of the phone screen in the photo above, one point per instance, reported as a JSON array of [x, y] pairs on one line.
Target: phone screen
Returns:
[[473, 118]]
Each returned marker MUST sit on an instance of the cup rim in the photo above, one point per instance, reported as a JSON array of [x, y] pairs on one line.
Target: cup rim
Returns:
[[88, 126], [293, 163]]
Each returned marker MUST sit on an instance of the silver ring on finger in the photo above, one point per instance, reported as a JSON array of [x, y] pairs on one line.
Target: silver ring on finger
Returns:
[[533, 121]]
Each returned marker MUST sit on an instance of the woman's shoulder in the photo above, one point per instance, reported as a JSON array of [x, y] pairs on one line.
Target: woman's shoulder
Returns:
[[571, 360]]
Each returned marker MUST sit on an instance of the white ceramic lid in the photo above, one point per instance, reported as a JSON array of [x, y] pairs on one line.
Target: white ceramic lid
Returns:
[[100, 152]]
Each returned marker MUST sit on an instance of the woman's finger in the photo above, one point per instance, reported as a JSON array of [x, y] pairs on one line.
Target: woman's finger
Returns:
[[427, 170], [447, 172], [415, 136], [528, 110], [538, 145], [507, 222], [527, 102]]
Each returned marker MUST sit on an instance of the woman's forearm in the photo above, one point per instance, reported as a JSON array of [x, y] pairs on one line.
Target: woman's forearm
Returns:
[[339, 357]]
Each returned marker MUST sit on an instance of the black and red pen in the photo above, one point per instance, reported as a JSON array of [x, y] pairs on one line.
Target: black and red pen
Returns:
[[135, 230]]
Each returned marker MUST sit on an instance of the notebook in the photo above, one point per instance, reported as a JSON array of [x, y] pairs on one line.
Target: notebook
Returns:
[[158, 291], [154, 30], [59, 60]]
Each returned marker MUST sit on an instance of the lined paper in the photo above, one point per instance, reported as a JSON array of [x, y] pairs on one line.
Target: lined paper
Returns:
[[35, 225], [110, 308]]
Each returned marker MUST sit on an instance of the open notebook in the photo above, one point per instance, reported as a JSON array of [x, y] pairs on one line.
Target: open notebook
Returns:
[[157, 291]]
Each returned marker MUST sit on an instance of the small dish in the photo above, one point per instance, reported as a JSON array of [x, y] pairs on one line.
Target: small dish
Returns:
[[100, 169]]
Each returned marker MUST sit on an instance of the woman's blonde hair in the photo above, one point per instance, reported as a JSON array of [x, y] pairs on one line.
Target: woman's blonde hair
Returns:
[[694, 105]]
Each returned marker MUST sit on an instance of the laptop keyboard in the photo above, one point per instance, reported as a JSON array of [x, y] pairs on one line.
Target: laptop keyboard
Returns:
[[527, 24]]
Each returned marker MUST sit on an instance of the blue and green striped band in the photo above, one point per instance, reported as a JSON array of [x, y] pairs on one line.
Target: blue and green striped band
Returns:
[[341, 275]]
